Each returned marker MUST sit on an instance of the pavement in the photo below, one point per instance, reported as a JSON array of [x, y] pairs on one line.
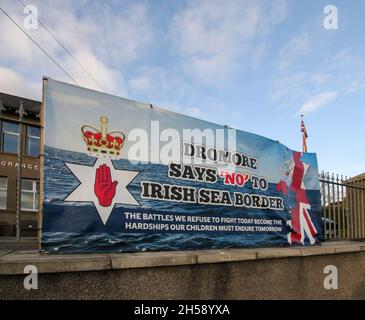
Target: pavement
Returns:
[[12, 262]]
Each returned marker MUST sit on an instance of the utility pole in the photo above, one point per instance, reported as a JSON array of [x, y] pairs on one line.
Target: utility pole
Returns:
[[21, 113]]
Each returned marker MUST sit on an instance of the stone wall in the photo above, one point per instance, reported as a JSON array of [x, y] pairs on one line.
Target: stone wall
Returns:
[[214, 274]]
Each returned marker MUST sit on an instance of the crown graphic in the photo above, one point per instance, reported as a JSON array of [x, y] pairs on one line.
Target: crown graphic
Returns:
[[103, 143]]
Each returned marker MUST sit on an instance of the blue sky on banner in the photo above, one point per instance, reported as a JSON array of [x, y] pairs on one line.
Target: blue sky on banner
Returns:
[[254, 65]]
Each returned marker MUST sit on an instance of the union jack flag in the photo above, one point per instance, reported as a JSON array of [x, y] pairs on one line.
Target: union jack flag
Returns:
[[303, 129], [305, 135]]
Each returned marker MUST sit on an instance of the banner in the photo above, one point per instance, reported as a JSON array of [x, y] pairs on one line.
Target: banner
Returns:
[[124, 176]]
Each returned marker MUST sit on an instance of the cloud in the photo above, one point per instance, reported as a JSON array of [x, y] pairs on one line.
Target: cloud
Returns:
[[310, 62], [151, 80], [121, 36], [13, 83], [196, 112], [297, 47], [320, 78], [347, 69], [104, 40], [212, 42], [288, 87], [161, 85], [111, 80], [317, 101]]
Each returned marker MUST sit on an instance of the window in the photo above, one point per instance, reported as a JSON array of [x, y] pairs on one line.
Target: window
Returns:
[[3, 192], [29, 197], [33, 141], [10, 137]]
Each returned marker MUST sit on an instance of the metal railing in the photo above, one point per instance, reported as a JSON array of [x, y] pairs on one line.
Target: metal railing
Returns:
[[343, 206]]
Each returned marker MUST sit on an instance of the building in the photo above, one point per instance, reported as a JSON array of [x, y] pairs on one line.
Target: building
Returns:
[[359, 179], [19, 161], [355, 201]]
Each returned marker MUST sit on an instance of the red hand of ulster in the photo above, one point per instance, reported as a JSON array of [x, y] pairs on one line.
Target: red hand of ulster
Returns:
[[104, 187]]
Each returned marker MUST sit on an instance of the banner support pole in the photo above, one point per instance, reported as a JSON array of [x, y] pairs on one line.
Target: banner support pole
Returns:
[[41, 167]]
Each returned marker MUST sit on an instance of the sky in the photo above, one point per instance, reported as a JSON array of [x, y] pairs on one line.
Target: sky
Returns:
[[252, 65]]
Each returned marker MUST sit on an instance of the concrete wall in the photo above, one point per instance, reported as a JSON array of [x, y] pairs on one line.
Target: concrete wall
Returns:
[[291, 277]]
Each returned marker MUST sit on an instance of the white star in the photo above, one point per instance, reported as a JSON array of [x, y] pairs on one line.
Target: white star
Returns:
[[85, 191]]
